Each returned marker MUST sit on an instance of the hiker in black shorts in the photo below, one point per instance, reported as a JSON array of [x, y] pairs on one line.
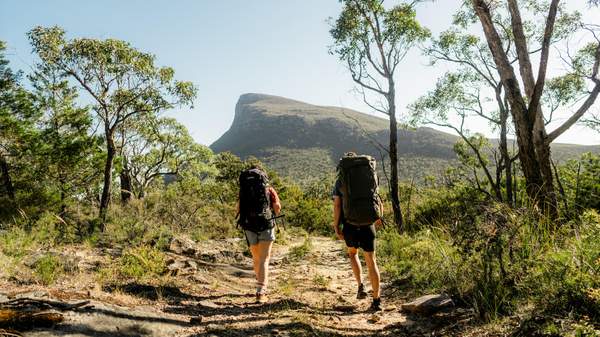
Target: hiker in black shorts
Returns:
[[358, 237]]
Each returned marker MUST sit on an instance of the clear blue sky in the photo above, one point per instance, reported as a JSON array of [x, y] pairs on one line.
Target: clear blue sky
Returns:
[[231, 47]]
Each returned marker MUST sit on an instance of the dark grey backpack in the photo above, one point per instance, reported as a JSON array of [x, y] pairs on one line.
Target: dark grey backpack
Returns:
[[359, 187], [255, 205]]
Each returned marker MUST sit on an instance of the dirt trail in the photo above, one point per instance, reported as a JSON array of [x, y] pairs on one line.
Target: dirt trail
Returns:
[[310, 295]]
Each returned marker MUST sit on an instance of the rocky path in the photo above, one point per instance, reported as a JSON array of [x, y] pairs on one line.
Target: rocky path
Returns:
[[312, 293]]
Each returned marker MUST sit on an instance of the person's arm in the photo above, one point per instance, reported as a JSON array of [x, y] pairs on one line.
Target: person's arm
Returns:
[[379, 221], [275, 202], [337, 215]]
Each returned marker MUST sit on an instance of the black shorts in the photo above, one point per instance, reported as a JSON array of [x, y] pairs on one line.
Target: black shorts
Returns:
[[360, 237]]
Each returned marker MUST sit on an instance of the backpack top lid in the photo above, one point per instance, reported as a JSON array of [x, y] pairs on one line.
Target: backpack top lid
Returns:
[[254, 172], [351, 159]]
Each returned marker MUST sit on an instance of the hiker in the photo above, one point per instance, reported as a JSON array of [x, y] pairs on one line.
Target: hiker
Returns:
[[256, 204], [358, 208]]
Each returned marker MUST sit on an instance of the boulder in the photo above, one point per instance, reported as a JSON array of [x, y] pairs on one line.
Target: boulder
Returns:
[[182, 267], [183, 246], [428, 304]]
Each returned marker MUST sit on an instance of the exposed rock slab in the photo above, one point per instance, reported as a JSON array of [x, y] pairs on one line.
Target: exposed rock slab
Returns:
[[428, 304], [183, 246]]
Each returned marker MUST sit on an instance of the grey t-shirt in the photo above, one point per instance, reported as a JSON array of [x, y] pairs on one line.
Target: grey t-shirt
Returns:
[[337, 189]]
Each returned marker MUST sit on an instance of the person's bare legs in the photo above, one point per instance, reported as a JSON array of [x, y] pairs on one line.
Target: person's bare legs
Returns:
[[355, 263], [264, 256], [254, 250], [374, 276]]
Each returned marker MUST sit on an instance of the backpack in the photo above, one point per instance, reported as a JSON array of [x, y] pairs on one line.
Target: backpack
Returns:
[[360, 190], [255, 204]]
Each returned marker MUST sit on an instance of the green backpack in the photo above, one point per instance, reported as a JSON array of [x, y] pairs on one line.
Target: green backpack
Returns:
[[359, 187]]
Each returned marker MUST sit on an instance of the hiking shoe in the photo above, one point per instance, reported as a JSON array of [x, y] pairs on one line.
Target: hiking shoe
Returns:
[[375, 305], [261, 298], [361, 294]]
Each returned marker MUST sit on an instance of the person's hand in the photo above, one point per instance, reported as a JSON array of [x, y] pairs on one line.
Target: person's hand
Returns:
[[339, 234], [378, 224]]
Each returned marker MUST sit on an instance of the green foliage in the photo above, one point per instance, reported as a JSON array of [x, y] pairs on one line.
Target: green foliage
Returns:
[[496, 259], [17, 137], [321, 281], [566, 278], [580, 181], [141, 263], [355, 28], [46, 230], [298, 252], [16, 242], [311, 208], [68, 156], [134, 84], [157, 147], [48, 268], [403, 257], [445, 205], [124, 83], [132, 225]]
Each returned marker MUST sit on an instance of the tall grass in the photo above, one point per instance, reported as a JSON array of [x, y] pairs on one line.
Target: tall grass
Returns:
[[502, 259]]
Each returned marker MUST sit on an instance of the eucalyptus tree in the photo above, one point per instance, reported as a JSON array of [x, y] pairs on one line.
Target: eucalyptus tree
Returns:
[[161, 148], [68, 153], [457, 98], [17, 126], [593, 122], [525, 92], [121, 81], [475, 90], [372, 41]]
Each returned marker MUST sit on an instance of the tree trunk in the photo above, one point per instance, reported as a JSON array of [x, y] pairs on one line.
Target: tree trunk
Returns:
[[528, 157], [550, 204], [106, 189], [524, 124], [63, 196], [8, 185], [126, 187], [546, 194], [506, 156], [394, 195]]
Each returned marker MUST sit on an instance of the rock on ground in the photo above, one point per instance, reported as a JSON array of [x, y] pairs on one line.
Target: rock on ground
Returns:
[[428, 304]]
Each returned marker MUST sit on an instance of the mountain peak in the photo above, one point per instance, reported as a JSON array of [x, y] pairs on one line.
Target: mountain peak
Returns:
[[251, 97], [280, 130]]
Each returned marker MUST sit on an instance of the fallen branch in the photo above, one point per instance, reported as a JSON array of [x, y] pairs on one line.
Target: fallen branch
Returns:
[[29, 303], [26, 313]]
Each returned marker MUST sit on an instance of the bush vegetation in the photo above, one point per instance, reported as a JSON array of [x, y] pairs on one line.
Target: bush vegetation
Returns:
[[497, 258]]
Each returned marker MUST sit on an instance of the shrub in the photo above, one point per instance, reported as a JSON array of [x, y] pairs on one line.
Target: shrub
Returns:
[[300, 251], [444, 206], [566, 278], [425, 261], [16, 242], [581, 184], [48, 268], [140, 264]]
